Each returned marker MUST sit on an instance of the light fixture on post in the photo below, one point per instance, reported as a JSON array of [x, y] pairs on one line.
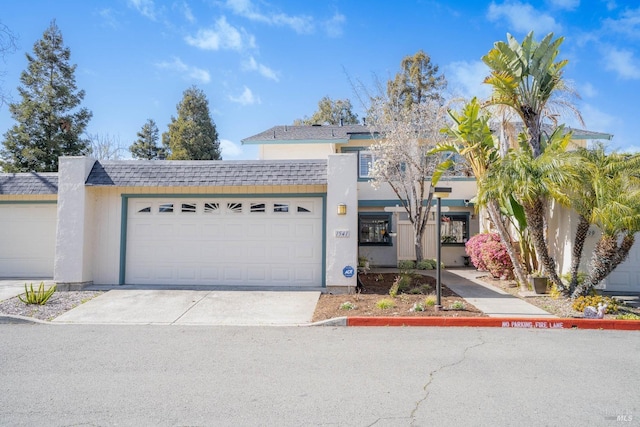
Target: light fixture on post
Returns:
[[439, 193], [342, 209]]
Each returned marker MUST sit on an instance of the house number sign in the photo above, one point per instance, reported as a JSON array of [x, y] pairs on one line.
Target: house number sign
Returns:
[[342, 233]]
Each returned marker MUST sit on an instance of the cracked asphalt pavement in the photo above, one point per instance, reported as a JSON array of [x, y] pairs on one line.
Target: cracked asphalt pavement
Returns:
[[291, 376]]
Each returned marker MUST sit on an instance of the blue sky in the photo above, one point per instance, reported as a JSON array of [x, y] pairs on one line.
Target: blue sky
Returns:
[[267, 62]]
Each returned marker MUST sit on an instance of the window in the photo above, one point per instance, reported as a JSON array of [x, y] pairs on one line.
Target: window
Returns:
[[374, 229], [365, 162], [165, 208], [211, 208], [281, 207], [257, 207], [146, 209], [189, 207], [454, 229], [234, 207]]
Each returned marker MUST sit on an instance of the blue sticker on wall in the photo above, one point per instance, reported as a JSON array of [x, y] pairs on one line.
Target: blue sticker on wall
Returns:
[[348, 271]]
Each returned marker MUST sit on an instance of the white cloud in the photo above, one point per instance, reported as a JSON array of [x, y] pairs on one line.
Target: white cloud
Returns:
[[622, 62], [145, 7], [465, 78], [109, 19], [628, 24], [522, 17], [565, 4], [588, 91], [246, 98], [334, 27], [188, 72], [252, 65], [186, 11], [597, 120], [222, 36], [230, 149], [301, 24]]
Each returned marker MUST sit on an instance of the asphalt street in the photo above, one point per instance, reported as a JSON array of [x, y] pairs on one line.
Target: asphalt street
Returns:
[[95, 375]]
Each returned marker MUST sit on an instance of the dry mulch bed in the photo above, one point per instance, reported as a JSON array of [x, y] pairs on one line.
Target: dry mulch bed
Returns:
[[561, 306], [377, 286]]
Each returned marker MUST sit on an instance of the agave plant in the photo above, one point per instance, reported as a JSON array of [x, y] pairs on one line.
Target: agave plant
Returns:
[[40, 296]]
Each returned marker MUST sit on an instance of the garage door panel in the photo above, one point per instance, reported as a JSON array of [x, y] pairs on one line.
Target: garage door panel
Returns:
[[626, 277], [27, 239], [236, 241]]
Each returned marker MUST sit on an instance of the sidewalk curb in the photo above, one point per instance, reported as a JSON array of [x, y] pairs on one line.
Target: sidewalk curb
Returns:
[[498, 322]]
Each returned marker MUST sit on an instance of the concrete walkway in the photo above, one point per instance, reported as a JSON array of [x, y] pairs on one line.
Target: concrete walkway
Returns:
[[494, 302]]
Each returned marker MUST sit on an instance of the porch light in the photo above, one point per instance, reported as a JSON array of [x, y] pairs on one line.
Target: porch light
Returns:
[[342, 209], [439, 193]]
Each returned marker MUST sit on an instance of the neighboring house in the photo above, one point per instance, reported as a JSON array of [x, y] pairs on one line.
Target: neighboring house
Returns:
[[297, 218]]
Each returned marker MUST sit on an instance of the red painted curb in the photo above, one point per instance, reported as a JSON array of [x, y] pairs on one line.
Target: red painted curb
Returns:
[[499, 322]]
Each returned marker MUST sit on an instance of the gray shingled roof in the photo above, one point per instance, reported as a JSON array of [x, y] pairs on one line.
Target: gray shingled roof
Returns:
[[309, 134], [29, 183], [166, 173], [328, 133]]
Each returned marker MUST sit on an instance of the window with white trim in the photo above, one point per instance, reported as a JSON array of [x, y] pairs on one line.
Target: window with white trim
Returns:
[[454, 229], [365, 163]]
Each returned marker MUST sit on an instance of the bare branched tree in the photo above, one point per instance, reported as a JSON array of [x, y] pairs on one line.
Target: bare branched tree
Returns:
[[8, 45], [105, 147]]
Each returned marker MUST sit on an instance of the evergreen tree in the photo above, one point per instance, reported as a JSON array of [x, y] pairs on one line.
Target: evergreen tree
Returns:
[[146, 146], [50, 122], [331, 112], [193, 135], [417, 82]]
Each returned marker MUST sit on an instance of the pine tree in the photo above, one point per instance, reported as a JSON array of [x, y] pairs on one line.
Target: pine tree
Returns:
[[50, 122], [417, 82], [193, 135], [146, 146], [331, 112]]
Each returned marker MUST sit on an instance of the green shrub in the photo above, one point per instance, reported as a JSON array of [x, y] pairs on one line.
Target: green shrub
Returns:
[[419, 306], [406, 264], [385, 303], [427, 264], [628, 316], [430, 300], [583, 302], [39, 297], [457, 305], [393, 291], [347, 306]]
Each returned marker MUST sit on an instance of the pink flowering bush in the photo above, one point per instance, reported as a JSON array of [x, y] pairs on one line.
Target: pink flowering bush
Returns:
[[487, 253]]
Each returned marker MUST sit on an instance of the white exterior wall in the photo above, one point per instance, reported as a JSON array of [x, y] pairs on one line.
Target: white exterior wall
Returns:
[[295, 151], [341, 252], [73, 235], [106, 235], [460, 189]]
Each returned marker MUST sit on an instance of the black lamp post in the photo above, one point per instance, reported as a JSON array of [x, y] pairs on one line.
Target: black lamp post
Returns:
[[439, 193]]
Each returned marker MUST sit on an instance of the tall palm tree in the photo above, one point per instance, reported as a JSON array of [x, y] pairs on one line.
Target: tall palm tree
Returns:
[[607, 195], [527, 78], [532, 181], [471, 138]]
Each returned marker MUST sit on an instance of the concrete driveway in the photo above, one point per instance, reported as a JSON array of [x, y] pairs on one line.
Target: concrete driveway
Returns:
[[192, 307], [10, 288]]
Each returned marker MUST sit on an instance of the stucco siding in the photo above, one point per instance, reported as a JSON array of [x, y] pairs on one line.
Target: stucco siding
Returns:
[[295, 151], [105, 245]]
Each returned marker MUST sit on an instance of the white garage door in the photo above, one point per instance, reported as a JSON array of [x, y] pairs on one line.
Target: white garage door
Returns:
[[27, 239], [246, 242], [626, 277]]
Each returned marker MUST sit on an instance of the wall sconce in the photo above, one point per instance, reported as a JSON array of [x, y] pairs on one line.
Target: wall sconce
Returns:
[[342, 209]]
